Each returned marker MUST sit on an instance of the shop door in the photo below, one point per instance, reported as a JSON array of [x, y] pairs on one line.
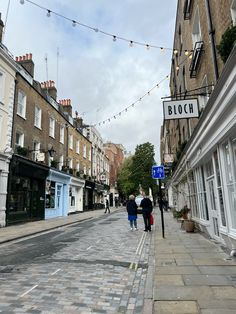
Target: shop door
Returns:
[[59, 199], [212, 207]]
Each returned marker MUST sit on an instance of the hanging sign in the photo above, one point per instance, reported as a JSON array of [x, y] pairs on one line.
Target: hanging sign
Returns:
[[180, 109]]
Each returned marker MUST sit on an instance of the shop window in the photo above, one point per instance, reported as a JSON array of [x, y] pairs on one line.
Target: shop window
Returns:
[[193, 195], [219, 189], [50, 194], [229, 149], [21, 104], [201, 193]]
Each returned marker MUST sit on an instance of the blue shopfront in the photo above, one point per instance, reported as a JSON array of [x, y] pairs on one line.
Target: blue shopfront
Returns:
[[57, 194]]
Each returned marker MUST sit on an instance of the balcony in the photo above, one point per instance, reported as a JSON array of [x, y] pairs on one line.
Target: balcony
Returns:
[[196, 58], [188, 5]]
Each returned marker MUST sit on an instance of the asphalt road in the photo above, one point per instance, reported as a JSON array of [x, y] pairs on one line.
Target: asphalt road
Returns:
[[96, 266]]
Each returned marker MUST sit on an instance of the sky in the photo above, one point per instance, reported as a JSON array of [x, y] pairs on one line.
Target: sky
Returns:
[[102, 77]]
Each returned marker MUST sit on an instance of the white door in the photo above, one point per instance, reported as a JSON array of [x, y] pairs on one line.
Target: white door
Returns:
[[212, 203]]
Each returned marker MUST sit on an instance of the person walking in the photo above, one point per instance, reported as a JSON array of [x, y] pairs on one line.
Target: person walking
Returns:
[[147, 207], [107, 208], [132, 210]]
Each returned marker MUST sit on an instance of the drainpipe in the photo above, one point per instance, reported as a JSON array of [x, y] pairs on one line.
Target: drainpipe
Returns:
[[212, 39]]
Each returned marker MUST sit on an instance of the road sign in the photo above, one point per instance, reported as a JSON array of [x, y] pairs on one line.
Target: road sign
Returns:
[[158, 172]]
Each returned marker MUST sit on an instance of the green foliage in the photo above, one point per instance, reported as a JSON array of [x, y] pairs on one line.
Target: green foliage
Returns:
[[136, 171], [23, 151], [227, 43]]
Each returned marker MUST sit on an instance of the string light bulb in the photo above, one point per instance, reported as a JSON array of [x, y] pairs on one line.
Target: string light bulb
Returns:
[[190, 56], [48, 13], [186, 52], [22, 1], [177, 68], [162, 49], [114, 38], [95, 29], [131, 43], [147, 47], [73, 23], [175, 51]]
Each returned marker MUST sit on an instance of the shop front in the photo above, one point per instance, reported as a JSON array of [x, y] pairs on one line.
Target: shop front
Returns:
[[26, 190], [76, 195], [88, 195], [57, 194]]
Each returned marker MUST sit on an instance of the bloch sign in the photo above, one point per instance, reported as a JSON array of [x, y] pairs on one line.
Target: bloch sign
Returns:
[[180, 109]]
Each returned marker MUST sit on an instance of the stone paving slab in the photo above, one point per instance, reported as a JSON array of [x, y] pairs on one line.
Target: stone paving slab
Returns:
[[177, 307]]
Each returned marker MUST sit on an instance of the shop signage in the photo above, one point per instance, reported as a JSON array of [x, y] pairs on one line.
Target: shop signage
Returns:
[[40, 156], [180, 109]]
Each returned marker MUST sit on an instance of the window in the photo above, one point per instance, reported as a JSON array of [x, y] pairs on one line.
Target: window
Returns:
[[71, 141], [61, 162], [37, 117], [36, 150], [77, 166], [71, 164], [233, 12], [196, 32], [21, 104], [62, 134], [84, 154], [77, 147], [89, 155], [19, 139], [85, 172], [2, 80], [201, 193], [52, 127]]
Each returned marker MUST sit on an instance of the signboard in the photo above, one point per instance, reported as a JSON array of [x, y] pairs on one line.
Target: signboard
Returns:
[[40, 156], [158, 172], [180, 109]]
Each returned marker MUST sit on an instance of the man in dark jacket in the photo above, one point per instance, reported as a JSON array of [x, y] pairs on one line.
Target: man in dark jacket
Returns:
[[131, 207], [146, 205]]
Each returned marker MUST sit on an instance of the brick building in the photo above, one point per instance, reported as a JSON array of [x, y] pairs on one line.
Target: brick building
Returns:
[[203, 148]]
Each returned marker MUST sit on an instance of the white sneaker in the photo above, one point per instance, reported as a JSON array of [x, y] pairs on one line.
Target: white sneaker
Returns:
[[131, 229], [136, 229]]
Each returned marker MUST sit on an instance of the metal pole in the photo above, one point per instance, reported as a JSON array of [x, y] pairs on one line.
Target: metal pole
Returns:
[[161, 209]]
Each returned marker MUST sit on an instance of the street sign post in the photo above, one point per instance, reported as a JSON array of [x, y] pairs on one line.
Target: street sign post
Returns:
[[158, 172]]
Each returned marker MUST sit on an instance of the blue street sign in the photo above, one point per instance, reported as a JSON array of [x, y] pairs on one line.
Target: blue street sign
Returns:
[[158, 172]]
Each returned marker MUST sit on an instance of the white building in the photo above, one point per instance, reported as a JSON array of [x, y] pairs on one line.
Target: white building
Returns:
[[205, 177], [7, 91]]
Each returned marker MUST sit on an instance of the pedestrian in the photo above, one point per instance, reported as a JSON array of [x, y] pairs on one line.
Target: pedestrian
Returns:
[[132, 210], [116, 202], [107, 208], [147, 207]]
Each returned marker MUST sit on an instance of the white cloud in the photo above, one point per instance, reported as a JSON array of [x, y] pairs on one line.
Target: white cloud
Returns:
[[101, 77]]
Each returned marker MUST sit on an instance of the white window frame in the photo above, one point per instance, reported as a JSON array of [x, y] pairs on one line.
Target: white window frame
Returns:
[[52, 123], [84, 151], [233, 12], [36, 150], [61, 162], [21, 139], [21, 104], [77, 147], [71, 141], [71, 163], [89, 156], [62, 134], [37, 117], [196, 31]]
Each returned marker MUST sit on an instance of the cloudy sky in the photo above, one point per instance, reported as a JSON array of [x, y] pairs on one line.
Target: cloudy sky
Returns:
[[102, 77]]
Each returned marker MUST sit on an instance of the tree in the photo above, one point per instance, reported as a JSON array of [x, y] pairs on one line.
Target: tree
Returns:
[[141, 167], [227, 43], [125, 186]]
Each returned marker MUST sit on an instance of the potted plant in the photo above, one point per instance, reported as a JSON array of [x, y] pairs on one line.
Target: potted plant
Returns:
[[184, 212], [54, 163], [189, 225]]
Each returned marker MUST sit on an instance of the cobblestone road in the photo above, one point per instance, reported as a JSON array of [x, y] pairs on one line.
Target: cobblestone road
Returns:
[[93, 267]]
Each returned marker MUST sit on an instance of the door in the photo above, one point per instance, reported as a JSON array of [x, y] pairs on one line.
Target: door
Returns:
[[59, 199], [213, 207]]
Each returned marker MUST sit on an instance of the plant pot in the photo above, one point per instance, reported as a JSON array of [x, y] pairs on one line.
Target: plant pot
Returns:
[[189, 225]]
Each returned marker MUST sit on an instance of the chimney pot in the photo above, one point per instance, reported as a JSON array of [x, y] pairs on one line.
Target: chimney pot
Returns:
[[27, 56], [23, 57], [30, 56], [16, 59], [20, 58]]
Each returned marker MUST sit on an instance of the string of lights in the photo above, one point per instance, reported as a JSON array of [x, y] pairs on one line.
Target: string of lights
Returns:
[[132, 105], [114, 37]]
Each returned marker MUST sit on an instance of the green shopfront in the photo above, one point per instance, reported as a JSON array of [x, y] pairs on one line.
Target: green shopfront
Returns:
[[26, 190]]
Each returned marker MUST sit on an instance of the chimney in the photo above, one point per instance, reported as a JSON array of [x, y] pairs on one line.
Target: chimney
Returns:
[[1, 28], [27, 63], [50, 87], [66, 105]]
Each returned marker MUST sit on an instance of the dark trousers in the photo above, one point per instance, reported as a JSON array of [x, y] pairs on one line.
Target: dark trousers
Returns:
[[107, 209], [146, 219]]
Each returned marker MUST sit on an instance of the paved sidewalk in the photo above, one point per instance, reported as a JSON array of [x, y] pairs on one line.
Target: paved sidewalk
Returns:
[[193, 274], [18, 231]]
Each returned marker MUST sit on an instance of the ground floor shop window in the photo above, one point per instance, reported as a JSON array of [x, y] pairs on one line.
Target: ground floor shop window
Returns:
[[229, 152], [201, 193], [50, 194], [193, 195]]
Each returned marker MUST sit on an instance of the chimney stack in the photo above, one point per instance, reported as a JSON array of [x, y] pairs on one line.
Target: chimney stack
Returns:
[[27, 63], [1, 28], [50, 87], [66, 105]]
